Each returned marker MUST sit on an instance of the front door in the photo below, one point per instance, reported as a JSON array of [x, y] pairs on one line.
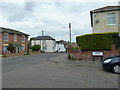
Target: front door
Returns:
[[17, 49]]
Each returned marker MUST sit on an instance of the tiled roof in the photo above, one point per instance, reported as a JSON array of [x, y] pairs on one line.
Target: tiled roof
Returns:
[[107, 8], [62, 41], [42, 38], [7, 30]]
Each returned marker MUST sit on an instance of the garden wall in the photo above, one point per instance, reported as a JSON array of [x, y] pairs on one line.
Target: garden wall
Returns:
[[87, 55], [8, 54]]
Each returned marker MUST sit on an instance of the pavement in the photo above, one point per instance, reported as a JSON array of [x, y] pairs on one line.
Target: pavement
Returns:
[[54, 70], [83, 63]]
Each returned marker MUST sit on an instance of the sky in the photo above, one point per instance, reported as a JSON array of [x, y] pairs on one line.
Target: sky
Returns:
[[51, 16]]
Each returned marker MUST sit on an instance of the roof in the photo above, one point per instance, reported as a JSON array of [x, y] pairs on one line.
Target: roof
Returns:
[[107, 8], [42, 38], [7, 30], [62, 41]]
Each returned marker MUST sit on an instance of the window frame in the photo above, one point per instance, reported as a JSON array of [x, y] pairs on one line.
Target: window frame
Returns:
[[15, 38], [107, 19], [22, 36], [5, 49], [7, 36], [23, 48]]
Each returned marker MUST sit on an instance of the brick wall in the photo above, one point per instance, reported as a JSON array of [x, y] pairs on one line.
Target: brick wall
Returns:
[[8, 54], [87, 55], [0, 43]]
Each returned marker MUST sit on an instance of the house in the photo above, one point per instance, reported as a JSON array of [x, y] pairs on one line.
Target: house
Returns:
[[105, 19], [15, 37], [61, 46], [47, 43]]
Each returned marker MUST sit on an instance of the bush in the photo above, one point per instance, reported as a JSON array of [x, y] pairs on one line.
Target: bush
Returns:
[[96, 41], [77, 48], [36, 48], [117, 42], [11, 48], [71, 57]]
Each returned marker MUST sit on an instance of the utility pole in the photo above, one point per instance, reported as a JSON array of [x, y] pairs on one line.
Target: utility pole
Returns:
[[70, 32], [42, 41], [42, 33]]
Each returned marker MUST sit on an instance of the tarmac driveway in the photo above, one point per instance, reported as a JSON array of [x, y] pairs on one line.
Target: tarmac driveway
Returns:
[[58, 72]]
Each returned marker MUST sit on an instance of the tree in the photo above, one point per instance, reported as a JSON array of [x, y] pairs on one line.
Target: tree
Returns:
[[11, 48], [36, 48]]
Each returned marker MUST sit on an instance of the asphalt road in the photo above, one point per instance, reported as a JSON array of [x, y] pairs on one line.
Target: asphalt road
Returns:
[[53, 70], [14, 63]]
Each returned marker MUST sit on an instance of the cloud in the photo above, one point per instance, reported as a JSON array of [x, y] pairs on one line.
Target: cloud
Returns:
[[52, 17]]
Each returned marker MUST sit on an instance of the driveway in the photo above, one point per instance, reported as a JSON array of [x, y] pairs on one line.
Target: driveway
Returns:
[[53, 70]]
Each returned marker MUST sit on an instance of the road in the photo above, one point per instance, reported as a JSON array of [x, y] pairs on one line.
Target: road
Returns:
[[53, 70]]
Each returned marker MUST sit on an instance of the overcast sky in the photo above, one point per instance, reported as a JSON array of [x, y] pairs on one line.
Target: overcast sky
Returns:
[[52, 17]]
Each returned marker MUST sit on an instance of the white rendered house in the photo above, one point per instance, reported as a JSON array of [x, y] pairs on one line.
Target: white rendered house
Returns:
[[47, 43], [60, 46]]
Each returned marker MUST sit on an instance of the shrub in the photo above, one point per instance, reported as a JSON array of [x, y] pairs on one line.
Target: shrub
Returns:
[[71, 57], [36, 48], [77, 48], [96, 41], [117, 42], [11, 48]]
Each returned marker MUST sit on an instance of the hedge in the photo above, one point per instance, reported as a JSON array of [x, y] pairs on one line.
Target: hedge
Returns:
[[96, 41], [117, 42], [35, 47]]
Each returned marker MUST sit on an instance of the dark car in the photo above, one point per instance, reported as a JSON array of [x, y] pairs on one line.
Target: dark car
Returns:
[[112, 63]]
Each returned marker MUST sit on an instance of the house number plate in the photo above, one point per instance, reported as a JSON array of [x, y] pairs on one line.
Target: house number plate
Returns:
[[97, 53]]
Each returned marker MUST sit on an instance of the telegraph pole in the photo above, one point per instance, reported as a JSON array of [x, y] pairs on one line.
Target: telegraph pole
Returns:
[[70, 32], [42, 41], [42, 33]]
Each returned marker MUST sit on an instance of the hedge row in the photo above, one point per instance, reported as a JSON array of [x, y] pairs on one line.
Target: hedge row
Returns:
[[117, 42], [96, 41], [35, 47]]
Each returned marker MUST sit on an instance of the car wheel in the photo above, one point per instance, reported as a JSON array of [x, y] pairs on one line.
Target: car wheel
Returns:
[[116, 69]]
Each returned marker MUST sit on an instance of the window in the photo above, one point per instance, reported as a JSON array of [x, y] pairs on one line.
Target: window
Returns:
[[40, 42], [44, 47], [23, 38], [23, 48], [111, 19], [6, 37], [35, 42], [15, 37], [5, 48]]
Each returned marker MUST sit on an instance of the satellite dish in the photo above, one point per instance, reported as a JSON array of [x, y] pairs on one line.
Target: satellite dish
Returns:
[[97, 21]]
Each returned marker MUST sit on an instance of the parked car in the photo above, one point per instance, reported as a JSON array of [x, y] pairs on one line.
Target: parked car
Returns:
[[112, 63]]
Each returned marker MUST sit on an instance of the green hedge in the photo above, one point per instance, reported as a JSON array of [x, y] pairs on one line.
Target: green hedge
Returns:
[[96, 41], [35, 48], [117, 42]]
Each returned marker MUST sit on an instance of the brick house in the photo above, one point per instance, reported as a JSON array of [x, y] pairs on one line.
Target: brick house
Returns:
[[17, 38], [105, 19]]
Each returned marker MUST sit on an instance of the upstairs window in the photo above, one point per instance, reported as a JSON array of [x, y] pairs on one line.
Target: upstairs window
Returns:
[[111, 19], [5, 37], [23, 38], [15, 37]]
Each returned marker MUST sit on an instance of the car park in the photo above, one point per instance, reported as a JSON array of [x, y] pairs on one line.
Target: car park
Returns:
[[112, 64]]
